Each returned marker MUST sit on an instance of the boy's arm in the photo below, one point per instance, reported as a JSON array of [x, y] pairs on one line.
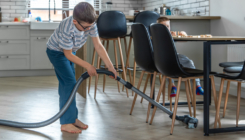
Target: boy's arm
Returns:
[[73, 58], [103, 54]]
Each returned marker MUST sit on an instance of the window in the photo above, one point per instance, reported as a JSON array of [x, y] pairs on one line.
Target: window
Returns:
[[41, 8]]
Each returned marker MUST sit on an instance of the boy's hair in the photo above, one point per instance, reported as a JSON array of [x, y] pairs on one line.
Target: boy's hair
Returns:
[[84, 12], [161, 19]]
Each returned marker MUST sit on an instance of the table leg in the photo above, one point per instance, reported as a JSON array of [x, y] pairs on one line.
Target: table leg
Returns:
[[207, 67]]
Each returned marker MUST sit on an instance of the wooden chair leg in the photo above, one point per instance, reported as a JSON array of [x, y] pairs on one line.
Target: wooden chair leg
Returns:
[[190, 89], [226, 97], [126, 51], [219, 101], [146, 82], [122, 62], [238, 102], [115, 52], [97, 77], [158, 98], [170, 104], [188, 97], [135, 96], [215, 96], [127, 60], [90, 78], [104, 81], [151, 95], [163, 92], [134, 75], [175, 105], [194, 98], [169, 87]]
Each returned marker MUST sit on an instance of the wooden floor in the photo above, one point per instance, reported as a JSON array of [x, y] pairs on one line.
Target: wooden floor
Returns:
[[34, 99]]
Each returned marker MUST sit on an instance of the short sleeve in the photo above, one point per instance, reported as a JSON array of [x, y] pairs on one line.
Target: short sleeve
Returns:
[[65, 41], [93, 32]]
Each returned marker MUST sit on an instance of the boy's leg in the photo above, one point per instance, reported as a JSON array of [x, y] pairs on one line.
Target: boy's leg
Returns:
[[173, 90], [64, 70], [187, 63]]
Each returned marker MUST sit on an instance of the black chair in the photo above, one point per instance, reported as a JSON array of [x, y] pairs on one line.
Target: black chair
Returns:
[[231, 74], [231, 64], [143, 57], [111, 26], [239, 78], [146, 18], [167, 62]]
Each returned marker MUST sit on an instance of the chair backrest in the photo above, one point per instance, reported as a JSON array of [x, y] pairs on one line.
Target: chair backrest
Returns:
[[146, 18], [143, 48], [112, 24], [165, 55]]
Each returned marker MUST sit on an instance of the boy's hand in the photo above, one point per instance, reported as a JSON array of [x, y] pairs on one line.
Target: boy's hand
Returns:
[[91, 71], [112, 69], [173, 33]]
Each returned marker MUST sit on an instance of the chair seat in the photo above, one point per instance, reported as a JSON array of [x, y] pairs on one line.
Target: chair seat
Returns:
[[196, 72], [231, 64], [232, 70]]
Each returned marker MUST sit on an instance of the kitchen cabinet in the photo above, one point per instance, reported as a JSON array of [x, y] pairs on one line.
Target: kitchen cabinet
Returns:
[[14, 32], [14, 62], [39, 58]]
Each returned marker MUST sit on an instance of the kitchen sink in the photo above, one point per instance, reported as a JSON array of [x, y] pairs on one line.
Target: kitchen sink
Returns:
[[44, 25]]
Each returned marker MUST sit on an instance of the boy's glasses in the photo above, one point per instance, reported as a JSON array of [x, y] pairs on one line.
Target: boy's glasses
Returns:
[[85, 28]]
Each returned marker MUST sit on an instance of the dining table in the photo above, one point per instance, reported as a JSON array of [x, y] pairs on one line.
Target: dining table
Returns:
[[209, 42]]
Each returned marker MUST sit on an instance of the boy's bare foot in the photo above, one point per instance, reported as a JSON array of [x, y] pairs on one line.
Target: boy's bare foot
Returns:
[[70, 128], [79, 124]]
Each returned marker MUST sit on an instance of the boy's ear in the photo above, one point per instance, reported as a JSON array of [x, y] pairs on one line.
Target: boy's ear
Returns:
[[74, 21]]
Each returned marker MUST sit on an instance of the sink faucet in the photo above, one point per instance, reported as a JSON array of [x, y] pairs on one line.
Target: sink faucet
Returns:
[[49, 11]]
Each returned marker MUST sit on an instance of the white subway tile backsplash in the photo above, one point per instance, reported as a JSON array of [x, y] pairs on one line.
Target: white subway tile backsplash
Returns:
[[18, 7], [184, 2], [192, 1], [8, 11], [194, 5], [7, 3], [20, 3], [5, 7], [206, 3]]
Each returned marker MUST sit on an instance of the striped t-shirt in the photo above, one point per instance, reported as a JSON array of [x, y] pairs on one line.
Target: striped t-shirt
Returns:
[[68, 37]]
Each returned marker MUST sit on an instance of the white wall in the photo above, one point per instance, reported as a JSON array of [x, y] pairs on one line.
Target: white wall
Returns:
[[232, 23], [185, 6]]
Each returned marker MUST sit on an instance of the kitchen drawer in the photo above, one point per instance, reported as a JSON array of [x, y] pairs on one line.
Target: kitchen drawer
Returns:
[[16, 62], [39, 58], [9, 47], [14, 32]]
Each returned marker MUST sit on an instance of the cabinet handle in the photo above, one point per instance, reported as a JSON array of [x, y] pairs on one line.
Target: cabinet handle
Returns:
[[4, 42], [43, 38], [4, 26], [4, 57]]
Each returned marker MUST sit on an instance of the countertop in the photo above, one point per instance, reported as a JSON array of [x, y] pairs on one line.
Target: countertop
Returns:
[[14, 23]]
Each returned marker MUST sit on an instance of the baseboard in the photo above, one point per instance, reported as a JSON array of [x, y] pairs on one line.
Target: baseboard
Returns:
[[20, 73]]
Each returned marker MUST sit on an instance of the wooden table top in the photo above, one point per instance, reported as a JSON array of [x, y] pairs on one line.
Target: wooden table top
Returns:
[[182, 17], [214, 38]]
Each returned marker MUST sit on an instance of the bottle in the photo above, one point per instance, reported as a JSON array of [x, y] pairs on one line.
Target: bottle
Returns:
[[0, 15], [164, 8], [30, 14], [168, 12]]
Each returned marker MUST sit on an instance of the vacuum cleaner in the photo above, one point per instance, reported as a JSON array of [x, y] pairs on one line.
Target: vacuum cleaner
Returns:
[[186, 119]]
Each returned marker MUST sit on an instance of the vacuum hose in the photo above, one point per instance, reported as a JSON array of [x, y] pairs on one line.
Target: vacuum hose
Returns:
[[84, 76]]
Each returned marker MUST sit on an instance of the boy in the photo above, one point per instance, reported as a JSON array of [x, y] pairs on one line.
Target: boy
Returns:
[[184, 60], [71, 35]]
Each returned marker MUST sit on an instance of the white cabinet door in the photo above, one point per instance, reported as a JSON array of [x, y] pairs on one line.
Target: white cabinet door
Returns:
[[14, 47], [17, 62], [14, 32], [39, 58]]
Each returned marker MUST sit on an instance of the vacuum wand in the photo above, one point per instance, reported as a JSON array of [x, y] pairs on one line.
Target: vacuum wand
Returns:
[[190, 121]]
